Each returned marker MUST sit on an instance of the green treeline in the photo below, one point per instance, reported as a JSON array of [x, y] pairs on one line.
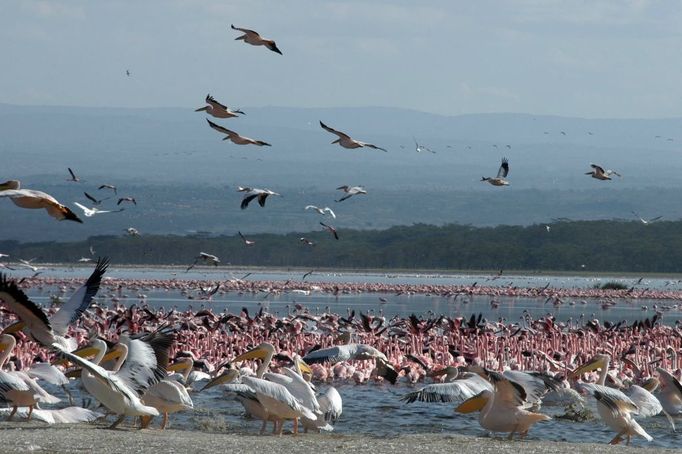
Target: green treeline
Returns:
[[567, 246]]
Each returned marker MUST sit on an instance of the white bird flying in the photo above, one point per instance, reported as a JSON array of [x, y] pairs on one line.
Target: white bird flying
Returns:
[[347, 141], [350, 191], [73, 178], [646, 221], [348, 352], [89, 212], [330, 229], [600, 174], [28, 198], [127, 199], [93, 199], [502, 173], [108, 186], [420, 148], [132, 231], [252, 193], [52, 330], [321, 211], [235, 137], [253, 38], [246, 241], [217, 110], [206, 258]]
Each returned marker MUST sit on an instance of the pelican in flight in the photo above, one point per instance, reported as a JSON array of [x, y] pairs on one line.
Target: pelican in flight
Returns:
[[207, 258], [252, 193], [615, 408], [217, 110], [108, 186], [28, 198], [90, 212], [459, 387], [236, 138], [504, 408], [322, 211], [94, 200], [502, 173], [132, 231], [350, 191], [347, 141], [253, 38], [599, 173], [73, 178], [127, 199], [420, 148], [348, 352], [45, 330], [330, 229], [246, 241], [646, 221]]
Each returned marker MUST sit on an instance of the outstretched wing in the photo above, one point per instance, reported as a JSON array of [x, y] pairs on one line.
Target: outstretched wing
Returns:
[[334, 131], [247, 199], [220, 128], [369, 145], [72, 310], [504, 169], [211, 100], [27, 311], [244, 30]]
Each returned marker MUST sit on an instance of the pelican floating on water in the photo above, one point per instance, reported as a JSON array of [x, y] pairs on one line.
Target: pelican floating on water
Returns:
[[347, 141], [253, 38], [31, 199]]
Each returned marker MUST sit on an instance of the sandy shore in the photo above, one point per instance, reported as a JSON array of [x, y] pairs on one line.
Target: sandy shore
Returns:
[[36, 437]]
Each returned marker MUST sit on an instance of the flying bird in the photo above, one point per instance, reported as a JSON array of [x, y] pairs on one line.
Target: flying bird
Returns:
[[217, 110], [599, 173], [246, 242], [236, 138], [94, 200], [330, 229], [321, 211], [306, 241], [253, 38], [252, 193], [28, 198], [108, 186], [347, 141], [206, 258], [132, 231], [127, 199], [90, 212], [420, 148], [73, 178], [350, 191], [128, 73], [502, 173], [646, 221]]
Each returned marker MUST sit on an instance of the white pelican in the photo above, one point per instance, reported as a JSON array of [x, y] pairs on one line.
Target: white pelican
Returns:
[[44, 330], [350, 191], [502, 173], [459, 388], [246, 241], [252, 193], [504, 408], [306, 241], [615, 408], [215, 109], [347, 141], [109, 186], [253, 38], [331, 404], [144, 365], [599, 173], [73, 178], [207, 258], [132, 231], [322, 211], [28, 198], [18, 388], [167, 396], [670, 394], [349, 352], [330, 229], [646, 221], [235, 137], [420, 148], [89, 212], [127, 199]]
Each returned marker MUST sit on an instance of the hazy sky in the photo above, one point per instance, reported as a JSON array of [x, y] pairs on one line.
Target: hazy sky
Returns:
[[592, 58]]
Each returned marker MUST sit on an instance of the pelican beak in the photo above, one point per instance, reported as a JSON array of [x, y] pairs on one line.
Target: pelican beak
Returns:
[[304, 368], [256, 353], [201, 109], [178, 366], [226, 377], [589, 367], [14, 328], [472, 404], [84, 352]]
